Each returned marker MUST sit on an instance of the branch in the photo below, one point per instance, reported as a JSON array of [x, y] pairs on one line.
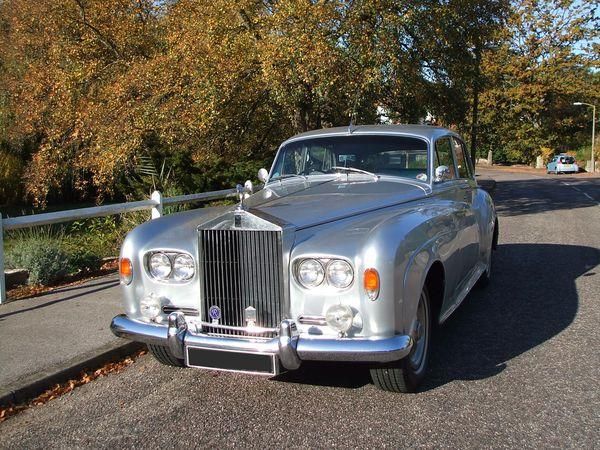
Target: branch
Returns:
[[104, 40]]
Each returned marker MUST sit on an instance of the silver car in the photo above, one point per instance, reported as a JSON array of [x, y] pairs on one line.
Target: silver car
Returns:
[[562, 164], [361, 240]]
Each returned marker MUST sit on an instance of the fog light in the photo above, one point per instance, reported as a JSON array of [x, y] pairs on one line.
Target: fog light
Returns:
[[150, 307], [339, 317]]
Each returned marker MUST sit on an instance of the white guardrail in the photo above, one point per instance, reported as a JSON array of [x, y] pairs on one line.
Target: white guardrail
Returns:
[[155, 203]]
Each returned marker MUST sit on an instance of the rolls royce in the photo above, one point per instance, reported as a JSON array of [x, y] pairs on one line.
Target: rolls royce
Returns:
[[359, 242]]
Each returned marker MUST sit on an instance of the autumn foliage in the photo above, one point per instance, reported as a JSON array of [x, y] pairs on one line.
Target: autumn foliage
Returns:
[[90, 87]]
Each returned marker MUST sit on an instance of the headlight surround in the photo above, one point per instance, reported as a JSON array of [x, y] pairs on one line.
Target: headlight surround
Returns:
[[315, 272], [160, 266], [310, 273], [183, 267], [339, 273], [170, 266]]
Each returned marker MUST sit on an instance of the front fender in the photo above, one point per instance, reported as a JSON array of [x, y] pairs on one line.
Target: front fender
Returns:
[[400, 243], [175, 232]]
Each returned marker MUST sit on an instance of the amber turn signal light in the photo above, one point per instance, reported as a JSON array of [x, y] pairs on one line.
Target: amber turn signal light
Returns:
[[371, 283], [125, 270]]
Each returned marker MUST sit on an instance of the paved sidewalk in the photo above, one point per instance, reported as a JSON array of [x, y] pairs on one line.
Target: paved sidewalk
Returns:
[[40, 337]]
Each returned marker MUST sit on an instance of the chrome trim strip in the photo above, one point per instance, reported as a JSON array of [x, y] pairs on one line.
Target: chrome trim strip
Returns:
[[168, 309], [312, 320]]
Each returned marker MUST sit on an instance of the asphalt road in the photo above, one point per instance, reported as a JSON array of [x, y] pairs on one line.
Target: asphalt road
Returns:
[[517, 365]]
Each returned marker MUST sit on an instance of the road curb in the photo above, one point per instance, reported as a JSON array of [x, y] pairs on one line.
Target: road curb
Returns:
[[33, 385]]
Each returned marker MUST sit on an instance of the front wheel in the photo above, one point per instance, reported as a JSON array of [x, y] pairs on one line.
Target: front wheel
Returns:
[[407, 374]]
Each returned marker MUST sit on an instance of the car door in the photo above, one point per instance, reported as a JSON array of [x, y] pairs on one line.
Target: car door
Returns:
[[450, 189], [468, 186]]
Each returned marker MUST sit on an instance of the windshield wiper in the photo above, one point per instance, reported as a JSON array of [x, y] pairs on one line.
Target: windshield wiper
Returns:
[[353, 169], [289, 175]]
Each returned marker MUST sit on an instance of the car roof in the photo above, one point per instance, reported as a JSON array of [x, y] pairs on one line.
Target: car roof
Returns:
[[427, 132]]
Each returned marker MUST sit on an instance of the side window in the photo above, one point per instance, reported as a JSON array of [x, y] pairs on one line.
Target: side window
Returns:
[[462, 162], [443, 155]]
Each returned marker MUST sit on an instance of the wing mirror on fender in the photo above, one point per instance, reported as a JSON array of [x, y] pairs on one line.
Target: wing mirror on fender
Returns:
[[442, 173]]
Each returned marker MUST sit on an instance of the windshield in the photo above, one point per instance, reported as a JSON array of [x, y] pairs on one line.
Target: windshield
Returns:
[[381, 155]]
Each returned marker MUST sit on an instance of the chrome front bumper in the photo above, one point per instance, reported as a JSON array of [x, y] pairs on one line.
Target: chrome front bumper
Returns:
[[288, 346]]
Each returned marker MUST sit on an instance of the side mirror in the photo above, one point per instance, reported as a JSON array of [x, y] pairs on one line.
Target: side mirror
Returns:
[[442, 173], [263, 175]]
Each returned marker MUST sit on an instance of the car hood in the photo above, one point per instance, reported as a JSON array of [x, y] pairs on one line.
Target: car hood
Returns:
[[305, 203]]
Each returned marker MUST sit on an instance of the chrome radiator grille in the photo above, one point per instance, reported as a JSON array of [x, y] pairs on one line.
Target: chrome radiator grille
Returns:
[[241, 268]]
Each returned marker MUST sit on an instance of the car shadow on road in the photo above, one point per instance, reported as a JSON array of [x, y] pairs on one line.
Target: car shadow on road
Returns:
[[533, 196], [531, 299]]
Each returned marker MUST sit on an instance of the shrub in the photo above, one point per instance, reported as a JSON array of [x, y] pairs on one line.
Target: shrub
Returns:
[[46, 262], [84, 260]]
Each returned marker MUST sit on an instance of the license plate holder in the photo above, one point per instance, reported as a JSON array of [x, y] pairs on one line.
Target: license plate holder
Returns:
[[231, 360]]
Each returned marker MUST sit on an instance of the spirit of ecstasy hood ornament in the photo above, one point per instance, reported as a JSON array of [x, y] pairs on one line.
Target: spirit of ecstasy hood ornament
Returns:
[[244, 192]]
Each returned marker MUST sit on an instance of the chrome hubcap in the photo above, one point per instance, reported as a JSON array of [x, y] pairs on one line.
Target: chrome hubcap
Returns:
[[417, 354]]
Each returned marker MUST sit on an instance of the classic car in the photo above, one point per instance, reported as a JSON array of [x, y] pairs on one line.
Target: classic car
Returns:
[[360, 241]]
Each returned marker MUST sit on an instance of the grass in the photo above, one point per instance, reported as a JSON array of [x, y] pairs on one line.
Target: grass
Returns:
[[53, 252]]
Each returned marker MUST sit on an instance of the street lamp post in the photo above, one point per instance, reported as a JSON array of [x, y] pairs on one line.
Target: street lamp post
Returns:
[[593, 130]]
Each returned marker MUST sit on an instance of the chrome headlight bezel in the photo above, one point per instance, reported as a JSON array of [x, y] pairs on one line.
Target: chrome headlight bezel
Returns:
[[325, 279], [160, 266], [184, 267], [174, 259], [340, 264], [318, 270]]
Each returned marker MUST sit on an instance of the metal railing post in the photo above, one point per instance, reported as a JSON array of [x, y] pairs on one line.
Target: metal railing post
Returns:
[[2, 281], [157, 210]]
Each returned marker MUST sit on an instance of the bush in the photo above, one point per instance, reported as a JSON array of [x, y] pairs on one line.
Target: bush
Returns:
[[46, 262], [84, 260]]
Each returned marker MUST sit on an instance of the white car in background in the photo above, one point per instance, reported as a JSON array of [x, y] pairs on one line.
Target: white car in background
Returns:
[[562, 163]]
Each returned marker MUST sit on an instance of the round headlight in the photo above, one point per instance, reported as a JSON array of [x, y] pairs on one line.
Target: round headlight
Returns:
[[183, 267], [339, 317], [339, 274], [310, 273], [150, 306], [160, 266]]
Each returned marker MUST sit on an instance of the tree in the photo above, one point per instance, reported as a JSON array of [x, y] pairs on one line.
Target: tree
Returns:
[[542, 67]]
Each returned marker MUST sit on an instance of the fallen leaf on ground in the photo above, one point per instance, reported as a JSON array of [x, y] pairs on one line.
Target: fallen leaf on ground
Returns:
[[68, 386]]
